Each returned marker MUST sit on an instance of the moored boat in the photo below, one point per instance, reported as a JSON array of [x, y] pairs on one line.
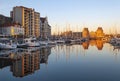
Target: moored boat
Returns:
[[51, 42], [43, 43], [21, 44], [31, 42], [6, 43], [60, 41]]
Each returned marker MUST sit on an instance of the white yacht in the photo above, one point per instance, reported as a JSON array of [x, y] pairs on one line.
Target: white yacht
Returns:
[[6, 43], [73, 41], [43, 43], [113, 40], [21, 44], [117, 43], [31, 42], [51, 42], [60, 41]]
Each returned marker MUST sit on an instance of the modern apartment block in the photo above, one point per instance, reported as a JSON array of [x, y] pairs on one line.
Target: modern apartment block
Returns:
[[28, 18], [45, 28], [37, 24]]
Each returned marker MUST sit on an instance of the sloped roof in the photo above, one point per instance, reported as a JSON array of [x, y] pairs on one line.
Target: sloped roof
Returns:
[[42, 19]]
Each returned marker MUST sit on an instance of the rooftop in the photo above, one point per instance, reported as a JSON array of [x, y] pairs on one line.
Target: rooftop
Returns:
[[9, 24], [43, 19]]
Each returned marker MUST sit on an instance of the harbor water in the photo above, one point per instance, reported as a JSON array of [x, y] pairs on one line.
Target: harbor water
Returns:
[[89, 61]]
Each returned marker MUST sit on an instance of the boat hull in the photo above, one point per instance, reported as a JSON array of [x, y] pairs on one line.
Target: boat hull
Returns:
[[7, 46], [33, 45], [22, 46]]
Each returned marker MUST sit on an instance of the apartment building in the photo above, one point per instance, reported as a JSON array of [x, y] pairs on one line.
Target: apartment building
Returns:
[[45, 28], [28, 18]]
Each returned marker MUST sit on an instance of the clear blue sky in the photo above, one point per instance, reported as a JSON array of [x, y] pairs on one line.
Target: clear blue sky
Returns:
[[77, 13]]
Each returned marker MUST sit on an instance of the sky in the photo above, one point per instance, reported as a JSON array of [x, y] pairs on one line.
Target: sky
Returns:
[[72, 14]]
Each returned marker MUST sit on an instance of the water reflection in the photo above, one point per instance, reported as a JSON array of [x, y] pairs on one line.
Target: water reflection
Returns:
[[83, 48], [97, 43], [25, 61], [87, 60], [85, 45]]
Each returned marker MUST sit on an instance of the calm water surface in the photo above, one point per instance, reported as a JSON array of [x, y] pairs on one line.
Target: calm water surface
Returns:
[[91, 61]]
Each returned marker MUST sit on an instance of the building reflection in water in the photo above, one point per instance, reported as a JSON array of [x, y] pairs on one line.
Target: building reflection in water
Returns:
[[85, 45], [44, 53], [92, 42], [97, 43], [25, 61], [28, 63]]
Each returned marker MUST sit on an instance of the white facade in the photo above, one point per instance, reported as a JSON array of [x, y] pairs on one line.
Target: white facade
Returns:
[[12, 30]]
